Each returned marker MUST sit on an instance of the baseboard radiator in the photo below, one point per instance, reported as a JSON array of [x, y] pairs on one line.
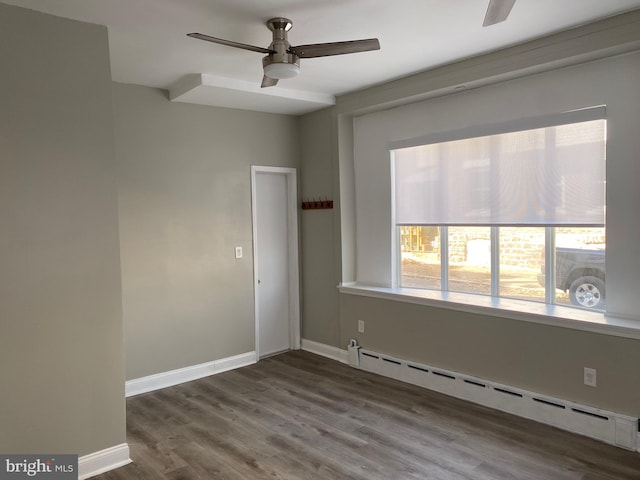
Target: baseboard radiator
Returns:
[[609, 427]]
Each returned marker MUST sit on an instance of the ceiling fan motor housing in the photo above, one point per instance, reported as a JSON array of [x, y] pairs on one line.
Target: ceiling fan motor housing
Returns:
[[281, 63]]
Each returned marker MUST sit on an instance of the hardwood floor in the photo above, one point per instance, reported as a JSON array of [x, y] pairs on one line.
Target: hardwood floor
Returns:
[[300, 416]]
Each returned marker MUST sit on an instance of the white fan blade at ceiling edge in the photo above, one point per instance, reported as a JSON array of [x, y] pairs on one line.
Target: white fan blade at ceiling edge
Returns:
[[497, 11]]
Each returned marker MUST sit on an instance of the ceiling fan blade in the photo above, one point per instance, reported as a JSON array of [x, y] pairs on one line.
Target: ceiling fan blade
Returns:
[[497, 11], [229, 43], [335, 48], [268, 81]]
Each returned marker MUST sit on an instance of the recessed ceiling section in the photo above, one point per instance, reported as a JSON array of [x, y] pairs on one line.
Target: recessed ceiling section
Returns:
[[149, 46], [205, 89]]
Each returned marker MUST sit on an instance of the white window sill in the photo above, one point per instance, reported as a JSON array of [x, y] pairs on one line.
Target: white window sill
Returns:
[[542, 313]]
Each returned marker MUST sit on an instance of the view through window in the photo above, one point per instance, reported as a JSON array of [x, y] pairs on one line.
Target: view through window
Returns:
[[579, 265]]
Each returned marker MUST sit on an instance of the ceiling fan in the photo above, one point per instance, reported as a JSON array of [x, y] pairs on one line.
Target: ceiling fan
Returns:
[[497, 11], [282, 59]]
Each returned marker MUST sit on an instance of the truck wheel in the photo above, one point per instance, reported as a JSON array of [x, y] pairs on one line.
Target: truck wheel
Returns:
[[587, 292]]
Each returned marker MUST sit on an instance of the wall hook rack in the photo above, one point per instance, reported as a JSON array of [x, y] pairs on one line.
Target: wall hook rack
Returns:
[[317, 204]]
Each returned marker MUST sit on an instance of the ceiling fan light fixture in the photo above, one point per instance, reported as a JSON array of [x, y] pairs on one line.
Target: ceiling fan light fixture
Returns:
[[281, 65], [281, 70]]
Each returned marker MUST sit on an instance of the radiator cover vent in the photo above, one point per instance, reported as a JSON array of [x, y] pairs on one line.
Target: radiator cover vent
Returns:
[[609, 427]]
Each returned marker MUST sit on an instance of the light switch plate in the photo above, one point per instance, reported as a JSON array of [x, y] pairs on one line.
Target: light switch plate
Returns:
[[238, 252]]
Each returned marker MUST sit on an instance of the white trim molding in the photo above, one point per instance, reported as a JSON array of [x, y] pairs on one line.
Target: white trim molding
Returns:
[[102, 461], [324, 350], [290, 175], [187, 374]]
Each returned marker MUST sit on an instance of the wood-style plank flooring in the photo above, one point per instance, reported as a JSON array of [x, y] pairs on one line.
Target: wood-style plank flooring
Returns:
[[300, 416]]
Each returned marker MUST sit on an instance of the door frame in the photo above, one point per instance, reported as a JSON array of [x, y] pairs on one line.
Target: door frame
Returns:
[[292, 236]]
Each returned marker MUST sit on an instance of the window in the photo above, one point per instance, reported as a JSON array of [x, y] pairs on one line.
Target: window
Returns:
[[517, 213]]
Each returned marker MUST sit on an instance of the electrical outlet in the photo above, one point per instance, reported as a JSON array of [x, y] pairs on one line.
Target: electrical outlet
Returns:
[[360, 326], [590, 376]]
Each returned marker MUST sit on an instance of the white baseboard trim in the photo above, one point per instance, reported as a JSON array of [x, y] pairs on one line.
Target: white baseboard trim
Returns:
[[187, 374], [609, 427], [99, 462], [334, 353]]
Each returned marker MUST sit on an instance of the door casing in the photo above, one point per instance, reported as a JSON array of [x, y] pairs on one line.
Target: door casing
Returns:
[[293, 257]]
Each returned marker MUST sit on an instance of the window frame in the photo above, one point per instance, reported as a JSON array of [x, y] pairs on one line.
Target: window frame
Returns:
[[557, 119], [549, 266]]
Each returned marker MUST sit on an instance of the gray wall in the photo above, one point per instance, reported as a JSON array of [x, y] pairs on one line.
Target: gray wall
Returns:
[[320, 316], [540, 358], [184, 198], [61, 349]]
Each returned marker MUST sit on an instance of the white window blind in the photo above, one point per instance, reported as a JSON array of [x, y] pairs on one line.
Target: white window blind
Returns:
[[553, 174]]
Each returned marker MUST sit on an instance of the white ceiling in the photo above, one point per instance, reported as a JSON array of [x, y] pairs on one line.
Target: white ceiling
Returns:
[[149, 46]]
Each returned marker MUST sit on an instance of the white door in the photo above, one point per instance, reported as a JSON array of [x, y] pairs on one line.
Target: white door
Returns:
[[275, 260]]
